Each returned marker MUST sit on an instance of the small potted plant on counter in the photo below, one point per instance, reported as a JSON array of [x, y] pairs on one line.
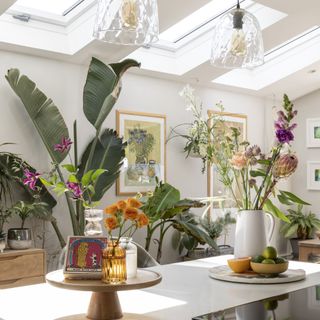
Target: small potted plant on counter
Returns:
[[21, 238], [302, 225]]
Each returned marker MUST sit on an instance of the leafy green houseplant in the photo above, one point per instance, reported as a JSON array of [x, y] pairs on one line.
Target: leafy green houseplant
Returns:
[[105, 152], [302, 225], [165, 209]]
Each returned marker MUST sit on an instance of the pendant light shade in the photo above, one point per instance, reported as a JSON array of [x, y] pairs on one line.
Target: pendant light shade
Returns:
[[128, 22], [237, 41]]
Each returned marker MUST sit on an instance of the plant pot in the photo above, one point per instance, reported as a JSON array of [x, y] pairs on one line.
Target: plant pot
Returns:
[[251, 237], [295, 247], [19, 238]]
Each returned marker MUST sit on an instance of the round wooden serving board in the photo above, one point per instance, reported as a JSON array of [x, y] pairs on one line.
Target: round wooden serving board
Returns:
[[225, 274]]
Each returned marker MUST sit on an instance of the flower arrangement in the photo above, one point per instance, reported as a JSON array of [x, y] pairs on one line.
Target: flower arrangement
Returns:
[[252, 176], [249, 175], [126, 216], [199, 132]]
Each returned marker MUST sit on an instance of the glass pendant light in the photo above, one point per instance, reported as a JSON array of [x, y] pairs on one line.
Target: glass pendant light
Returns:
[[128, 22], [237, 41]]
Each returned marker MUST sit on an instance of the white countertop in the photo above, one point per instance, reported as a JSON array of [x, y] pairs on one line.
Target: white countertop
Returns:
[[185, 291]]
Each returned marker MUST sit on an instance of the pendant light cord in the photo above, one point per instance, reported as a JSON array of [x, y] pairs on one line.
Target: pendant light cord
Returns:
[[238, 4]]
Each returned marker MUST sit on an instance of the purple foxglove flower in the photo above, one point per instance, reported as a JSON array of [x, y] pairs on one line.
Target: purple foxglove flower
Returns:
[[279, 124], [30, 179], [281, 115], [284, 135], [64, 145], [75, 188], [292, 127]]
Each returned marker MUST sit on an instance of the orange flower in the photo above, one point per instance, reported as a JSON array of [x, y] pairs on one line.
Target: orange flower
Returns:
[[133, 202], [111, 209], [111, 223], [130, 213], [142, 220], [239, 161], [121, 205]]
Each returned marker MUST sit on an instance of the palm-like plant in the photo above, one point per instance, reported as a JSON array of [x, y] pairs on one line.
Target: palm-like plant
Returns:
[[300, 224], [25, 210], [105, 151]]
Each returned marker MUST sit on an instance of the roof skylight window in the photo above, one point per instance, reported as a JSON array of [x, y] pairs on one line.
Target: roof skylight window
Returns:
[[198, 19], [58, 7]]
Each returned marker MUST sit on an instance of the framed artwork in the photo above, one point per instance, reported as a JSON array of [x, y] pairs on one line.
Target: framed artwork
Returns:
[[84, 257], [215, 187], [145, 159], [313, 133], [313, 175]]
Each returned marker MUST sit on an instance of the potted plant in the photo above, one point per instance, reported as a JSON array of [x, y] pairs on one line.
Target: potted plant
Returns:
[[21, 238], [300, 224], [4, 216]]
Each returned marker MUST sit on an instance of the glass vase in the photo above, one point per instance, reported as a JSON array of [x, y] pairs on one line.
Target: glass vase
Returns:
[[131, 256], [93, 217], [114, 269]]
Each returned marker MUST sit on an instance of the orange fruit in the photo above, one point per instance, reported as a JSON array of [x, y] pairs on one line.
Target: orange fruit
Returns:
[[239, 265]]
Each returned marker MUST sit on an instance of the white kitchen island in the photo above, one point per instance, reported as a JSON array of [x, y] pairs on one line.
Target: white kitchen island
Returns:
[[185, 291]]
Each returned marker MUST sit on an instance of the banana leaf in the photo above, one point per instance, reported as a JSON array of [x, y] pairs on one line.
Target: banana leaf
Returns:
[[102, 89], [109, 153], [42, 111]]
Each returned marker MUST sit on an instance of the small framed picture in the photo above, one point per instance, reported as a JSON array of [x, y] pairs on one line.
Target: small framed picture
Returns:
[[84, 257], [145, 160], [313, 175], [313, 133]]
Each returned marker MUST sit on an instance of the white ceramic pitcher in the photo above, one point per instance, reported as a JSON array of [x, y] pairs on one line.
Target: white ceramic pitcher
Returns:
[[251, 236]]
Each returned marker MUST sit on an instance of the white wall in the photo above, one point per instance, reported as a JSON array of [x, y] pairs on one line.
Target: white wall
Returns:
[[308, 107], [63, 82]]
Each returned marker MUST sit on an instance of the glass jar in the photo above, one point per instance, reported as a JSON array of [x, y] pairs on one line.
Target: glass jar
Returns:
[[131, 256], [114, 263], [93, 218]]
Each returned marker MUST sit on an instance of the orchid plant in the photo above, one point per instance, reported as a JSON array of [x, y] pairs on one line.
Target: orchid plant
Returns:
[[82, 190]]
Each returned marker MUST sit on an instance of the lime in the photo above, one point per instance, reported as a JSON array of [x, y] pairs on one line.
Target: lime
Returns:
[[257, 259], [270, 253], [268, 261], [280, 260]]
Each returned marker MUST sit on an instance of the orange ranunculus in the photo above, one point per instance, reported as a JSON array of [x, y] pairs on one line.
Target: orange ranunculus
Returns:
[[121, 204], [133, 202], [130, 213], [111, 209], [111, 223], [142, 220]]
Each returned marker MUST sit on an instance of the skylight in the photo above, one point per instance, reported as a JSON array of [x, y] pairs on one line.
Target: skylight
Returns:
[[198, 19], [59, 7]]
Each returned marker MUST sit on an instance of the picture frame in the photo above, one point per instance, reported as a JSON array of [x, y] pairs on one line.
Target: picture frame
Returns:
[[215, 188], [313, 133], [84, 257], [313, 175], [145, 154]]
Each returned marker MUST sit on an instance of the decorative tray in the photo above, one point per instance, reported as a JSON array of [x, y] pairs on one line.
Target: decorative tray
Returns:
[[225, 274]]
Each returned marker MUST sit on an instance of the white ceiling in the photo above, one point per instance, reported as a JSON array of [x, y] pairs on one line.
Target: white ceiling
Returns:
[[290, 69]]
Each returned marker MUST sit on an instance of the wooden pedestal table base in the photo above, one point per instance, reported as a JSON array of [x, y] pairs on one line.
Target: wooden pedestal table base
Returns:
[[104, 304]]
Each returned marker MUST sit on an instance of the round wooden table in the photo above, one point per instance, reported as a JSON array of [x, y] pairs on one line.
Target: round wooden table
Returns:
[[104, 304]]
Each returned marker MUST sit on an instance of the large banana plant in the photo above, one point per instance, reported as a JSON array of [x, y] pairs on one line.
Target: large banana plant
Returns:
[[105, 151]]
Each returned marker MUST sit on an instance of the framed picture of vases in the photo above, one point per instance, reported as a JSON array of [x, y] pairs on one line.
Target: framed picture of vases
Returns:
[[145, 134]]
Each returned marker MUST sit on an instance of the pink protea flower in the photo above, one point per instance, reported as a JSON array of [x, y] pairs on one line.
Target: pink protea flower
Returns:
[[285, 165], [239, 161], [64, 145], [30, 179]]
